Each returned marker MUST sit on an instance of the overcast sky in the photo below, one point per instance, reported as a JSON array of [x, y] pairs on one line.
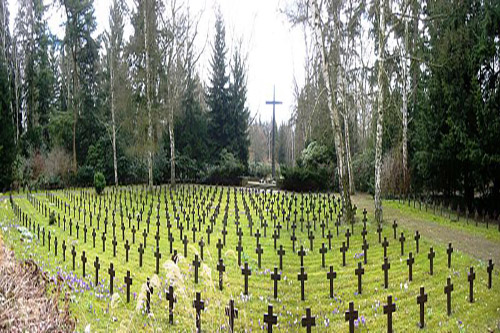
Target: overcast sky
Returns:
[[275, 51]]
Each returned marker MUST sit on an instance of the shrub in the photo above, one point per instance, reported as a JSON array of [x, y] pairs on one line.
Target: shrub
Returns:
[[99, 182], [84, 176], [227, 172], [303, 179], [52, 218]]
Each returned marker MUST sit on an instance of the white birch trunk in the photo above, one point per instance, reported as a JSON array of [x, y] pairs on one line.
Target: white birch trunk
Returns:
[[405, 112], [113, 123], [172, 145], [380, 115], [329, 75], [148, 100]]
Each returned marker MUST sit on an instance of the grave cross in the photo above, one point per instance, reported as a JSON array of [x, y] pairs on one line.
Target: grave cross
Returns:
[[199, 305], [351, 315], [97, 266], [281, 253], [447, 290], [402, 241], [343, 249], [239, 248], [489, 269], [365, 248], [103, 242], [471, 276], [417, 237], [431, 256], [389, 309], [171, 299], [84, 261], [347, 236], [158, 257], [141, 252], [421, 300], [395, 227], [449, 251], [185, 242], [259, 252], [219, 246], [111, 272], [73, 253], [201, 243], [329, 236], [322, 251], [246, 272], [359, 272], [293, 238], [114, 242], [127, 248], [276, 276], [270, 319], [221, 268], [302, 277], [379, 231], [330, 276], [232, 313], [385, 244], [301, 254], [196, 264], [64, 250], [308, 321], [311, 239], [385, 267], [410, 262]]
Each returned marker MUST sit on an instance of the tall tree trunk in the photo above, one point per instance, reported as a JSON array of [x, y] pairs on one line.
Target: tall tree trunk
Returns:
[[329, 73], [172, 145], [75, 105], [148, 99], [348, 153], [380, 114], [405, 112], [16, 92], [113, 123]]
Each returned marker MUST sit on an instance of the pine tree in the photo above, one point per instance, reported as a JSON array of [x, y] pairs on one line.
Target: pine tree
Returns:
[[218, 93]]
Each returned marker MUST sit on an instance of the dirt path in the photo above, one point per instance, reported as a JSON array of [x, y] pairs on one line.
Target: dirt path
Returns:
[[474, 245]]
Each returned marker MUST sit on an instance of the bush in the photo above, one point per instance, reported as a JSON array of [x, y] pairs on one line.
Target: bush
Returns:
[[227, 172], [99, 182], [363, 167], [52, 218], [84, 176], [259, 169], [302, 179]]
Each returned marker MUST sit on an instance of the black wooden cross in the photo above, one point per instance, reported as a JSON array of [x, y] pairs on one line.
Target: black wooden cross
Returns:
[[402, 241], [276, 276], [73, 253], [410, 262], [246, 272], [111, 272], [471, 276], [343, 249], [308, 321], [55, 245], [348, 235], [351, 315], [232, 313], [239, 248], [219, 246], [337, 224], [281, 253], [199, 305], [489, 269], [301, 254], [447, 290], [421, 300], [185, 242], [196, 264], [431, 256], [329, 236], [259, 252], [417, 238], [145, 236], [171, 299], [359, 272], [133, 234], [64, 249], [311, 239], [449, 251], [114, 242], [127, 248], [221, 268], [103, 237], [302, 277], [97, 266], [157, 238], [141, 252], [322, 251], [364, 232], [395, 227], [331, 275], [293, 238], [385, 244], [158, 257], [201, 243], [270, 319], [365, 248], [84, 261], [149, 291], [385, 267], [389, 309], [257, 236]]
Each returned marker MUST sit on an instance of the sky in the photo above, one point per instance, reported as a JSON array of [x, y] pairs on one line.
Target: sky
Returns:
[[275, 51]]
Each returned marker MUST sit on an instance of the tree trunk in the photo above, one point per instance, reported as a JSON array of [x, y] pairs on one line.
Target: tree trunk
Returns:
[[380, 115], [113, 124], [75, 106], [329, 75], [172, 145], [148, 100], [352, 189]]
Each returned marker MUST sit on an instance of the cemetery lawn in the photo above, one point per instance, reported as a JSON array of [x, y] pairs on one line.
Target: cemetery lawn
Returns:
[[94, 306]]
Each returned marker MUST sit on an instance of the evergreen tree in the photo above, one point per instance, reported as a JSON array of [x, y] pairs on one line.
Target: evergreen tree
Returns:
[[238, 110], [218, 93]]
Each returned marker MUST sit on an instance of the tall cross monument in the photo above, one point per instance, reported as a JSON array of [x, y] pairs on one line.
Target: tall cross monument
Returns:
[[274, 103]]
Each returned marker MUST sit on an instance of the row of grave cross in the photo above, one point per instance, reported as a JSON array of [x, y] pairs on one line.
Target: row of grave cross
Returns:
[[302, 276]]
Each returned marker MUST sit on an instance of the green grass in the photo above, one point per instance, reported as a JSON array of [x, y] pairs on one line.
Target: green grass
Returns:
[[102, 314], [462, 224]]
